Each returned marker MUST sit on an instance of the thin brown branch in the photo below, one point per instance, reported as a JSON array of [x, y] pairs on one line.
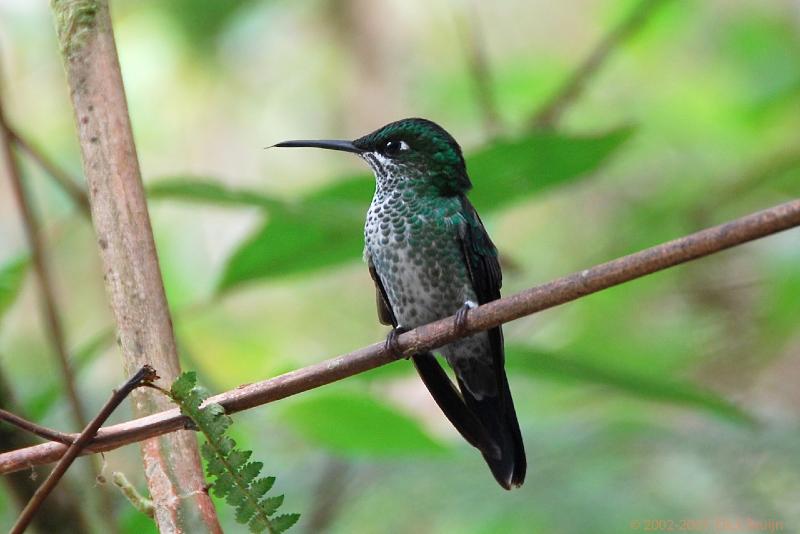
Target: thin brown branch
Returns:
[[551, 111], [428, 337], [475, 47], [64, 180], [145, 375], [132, 275], [35, 429]]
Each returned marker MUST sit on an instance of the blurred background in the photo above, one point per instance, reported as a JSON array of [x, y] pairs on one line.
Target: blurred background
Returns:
[[673, 397]]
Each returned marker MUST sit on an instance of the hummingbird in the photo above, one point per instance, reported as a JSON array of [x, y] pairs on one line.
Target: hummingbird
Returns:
[[430, 257]]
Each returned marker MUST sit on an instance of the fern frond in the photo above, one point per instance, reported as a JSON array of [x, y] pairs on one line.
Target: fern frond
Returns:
[[236, 478]]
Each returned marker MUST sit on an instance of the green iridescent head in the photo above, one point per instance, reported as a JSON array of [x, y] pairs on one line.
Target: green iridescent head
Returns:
[[415, 151]]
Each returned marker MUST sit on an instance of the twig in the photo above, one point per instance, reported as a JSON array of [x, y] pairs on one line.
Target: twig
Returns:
[[550, 112], [439, 333], [38, 430], [475, 49], [145, 375], [67, 184], [141, 503], [127, 249]]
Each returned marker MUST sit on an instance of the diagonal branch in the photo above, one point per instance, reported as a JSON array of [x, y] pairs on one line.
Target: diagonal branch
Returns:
[[428, 337], [35, 429], [474, 45], [550, 112], [67, 183]]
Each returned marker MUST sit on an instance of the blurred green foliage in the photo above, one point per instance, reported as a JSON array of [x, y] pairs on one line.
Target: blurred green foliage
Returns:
[[358, 425], [326, 227], [12, 275], [670, 397]]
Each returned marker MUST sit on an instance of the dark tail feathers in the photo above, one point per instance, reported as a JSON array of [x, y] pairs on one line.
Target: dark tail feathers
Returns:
[[489, 424], [498, 417], [452, 405]]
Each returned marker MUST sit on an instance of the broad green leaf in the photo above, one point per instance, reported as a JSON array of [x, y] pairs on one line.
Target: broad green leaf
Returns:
[[297, 240], [326, 228], [511, 170], [11, 276], [546, 365], [358, 424], [193, 190]]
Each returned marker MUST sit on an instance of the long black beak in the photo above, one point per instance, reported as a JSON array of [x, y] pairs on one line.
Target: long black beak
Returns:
[[344, 146]]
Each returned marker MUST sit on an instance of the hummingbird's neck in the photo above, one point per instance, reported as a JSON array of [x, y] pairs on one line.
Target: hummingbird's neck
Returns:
[[394, 180]]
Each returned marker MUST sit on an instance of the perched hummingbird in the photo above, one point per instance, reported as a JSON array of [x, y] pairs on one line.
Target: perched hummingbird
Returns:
[[430, 257]]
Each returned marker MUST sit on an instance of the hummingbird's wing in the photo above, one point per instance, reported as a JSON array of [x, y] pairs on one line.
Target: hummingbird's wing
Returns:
[[496, 412], [436, 380], [385, 313]]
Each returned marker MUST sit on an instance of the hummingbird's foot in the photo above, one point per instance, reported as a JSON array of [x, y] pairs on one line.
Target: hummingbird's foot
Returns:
[[392, 345], [461, 315]]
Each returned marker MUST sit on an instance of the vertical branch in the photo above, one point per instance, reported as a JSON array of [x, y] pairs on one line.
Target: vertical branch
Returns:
[[550, 112], [132, 275]]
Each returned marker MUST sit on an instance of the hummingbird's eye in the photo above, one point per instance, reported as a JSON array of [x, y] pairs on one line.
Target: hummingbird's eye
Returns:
[[393, 148]]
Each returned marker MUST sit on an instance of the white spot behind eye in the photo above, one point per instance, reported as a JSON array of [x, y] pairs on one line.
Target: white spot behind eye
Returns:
[[404, 145]]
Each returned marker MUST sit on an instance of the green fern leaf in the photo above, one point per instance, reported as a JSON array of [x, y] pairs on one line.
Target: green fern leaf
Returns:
[[237, 458], [239, 498], [250, 471], [271, 504], [236, 478], [184, 385], [245, 512], [259, 524], [282, 523], [262, 486]]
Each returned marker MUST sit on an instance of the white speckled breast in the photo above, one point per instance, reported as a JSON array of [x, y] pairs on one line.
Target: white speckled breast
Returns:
[[411, 236]]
